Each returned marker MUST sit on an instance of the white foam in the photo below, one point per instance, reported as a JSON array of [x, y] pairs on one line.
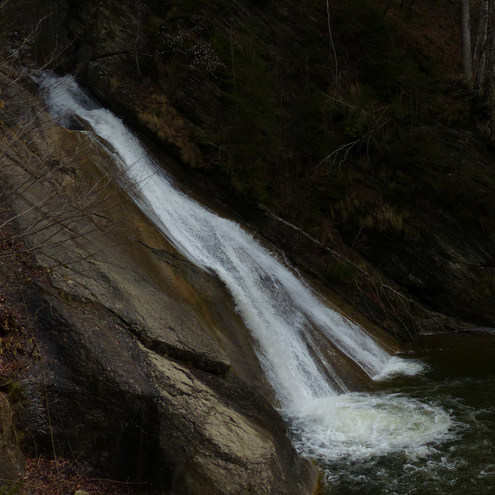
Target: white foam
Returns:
[[399, 366], [358, 426]]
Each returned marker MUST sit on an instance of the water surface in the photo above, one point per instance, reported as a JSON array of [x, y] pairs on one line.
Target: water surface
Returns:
[[460, 379]]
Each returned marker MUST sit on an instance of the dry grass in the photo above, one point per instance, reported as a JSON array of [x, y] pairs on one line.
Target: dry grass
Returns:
[[63, 477], [434, 28]]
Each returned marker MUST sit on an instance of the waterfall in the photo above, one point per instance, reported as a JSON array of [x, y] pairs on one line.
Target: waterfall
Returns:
[[295, 333]]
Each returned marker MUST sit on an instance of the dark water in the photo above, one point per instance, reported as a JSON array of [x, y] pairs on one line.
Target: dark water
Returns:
[[460, 377]]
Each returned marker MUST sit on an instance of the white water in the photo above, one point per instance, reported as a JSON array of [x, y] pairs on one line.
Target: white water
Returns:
[[291, 326]]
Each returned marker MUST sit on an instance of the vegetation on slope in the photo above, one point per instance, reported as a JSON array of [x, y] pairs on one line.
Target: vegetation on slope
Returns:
[[354, 124], [351, 121]]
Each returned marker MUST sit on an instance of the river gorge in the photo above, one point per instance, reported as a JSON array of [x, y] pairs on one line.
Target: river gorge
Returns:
[[418, 427], [246, 247]]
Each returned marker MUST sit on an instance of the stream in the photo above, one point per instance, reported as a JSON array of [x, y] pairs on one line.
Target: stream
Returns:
[[424, 427]]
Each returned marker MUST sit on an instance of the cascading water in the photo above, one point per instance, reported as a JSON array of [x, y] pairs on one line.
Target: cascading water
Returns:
[[289, 323]]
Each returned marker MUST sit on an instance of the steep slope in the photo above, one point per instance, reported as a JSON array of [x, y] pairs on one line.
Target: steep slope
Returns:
[[353, 126]]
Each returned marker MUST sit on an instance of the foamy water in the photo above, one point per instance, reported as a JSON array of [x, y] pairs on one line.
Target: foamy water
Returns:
[[360, 425], [289, 323]]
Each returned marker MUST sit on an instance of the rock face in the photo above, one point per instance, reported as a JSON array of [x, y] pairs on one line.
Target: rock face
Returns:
[[140, 350]]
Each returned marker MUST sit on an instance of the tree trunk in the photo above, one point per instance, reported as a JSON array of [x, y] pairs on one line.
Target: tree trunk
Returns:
[[480, 50], [467, 61]]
